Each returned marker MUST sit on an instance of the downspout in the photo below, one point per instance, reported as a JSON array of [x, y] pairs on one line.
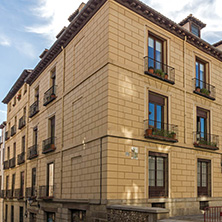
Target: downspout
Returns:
[[101, 168], [185, 89], [62, 133]]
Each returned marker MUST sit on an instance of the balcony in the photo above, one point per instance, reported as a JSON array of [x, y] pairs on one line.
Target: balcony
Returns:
[[160, 131], [21, 158], [22, 122], [19, 194], [13, 130], [7, 135], [34, 109], [6, 164], [204, 89], [206, 141], [48, 145], [1, 193], [12, 163], [32, 152], [31, 192], [8, 193], [159, 70], [46, 192], [49, 95], [11, 194]]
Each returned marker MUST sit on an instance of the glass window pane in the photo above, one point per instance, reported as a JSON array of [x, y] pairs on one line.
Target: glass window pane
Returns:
[[198, 174], [151, 114], [151, 52], [197, 73], [202, 127], [158, 116], [151, 163], [158, 54]]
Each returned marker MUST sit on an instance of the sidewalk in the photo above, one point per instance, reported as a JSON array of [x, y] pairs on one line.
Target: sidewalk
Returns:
[[187, 218]]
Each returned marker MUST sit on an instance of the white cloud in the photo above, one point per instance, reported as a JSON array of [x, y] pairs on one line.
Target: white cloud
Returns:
[[4, 41], [3, 111], [25, 48], [55, 15]]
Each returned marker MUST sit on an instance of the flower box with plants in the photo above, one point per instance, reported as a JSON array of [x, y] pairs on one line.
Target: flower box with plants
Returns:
[[19, 96], [206, 144], [205, 91], [160, 134]]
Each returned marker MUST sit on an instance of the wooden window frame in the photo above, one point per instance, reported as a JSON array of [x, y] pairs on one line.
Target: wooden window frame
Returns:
[[155, 191], [204, 63], [196, 26]]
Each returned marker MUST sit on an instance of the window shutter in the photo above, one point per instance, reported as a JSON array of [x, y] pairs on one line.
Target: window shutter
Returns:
[[202, 113], [157, 99]]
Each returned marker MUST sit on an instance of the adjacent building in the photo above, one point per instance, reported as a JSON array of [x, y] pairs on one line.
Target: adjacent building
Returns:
[[123, 109]]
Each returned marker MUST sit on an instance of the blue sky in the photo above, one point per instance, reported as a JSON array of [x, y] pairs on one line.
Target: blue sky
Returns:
[[27, 27]]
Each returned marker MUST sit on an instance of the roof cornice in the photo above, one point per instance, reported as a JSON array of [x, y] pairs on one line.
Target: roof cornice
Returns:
[[18, 84], [69, 33]]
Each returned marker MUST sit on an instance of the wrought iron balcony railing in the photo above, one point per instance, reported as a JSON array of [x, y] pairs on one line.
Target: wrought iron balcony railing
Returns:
[[49, 95], [22, 122], [34, 108], [13, 130], [32, 152], [19, 193], [12, 162], [159, 70], [48, 145], [206, 140], [12, 194], [204, 89], [1, 193], [31, 192], [46, 192], [6, 164], [21, 158], [160, 131], [8, 193], [7, 135]]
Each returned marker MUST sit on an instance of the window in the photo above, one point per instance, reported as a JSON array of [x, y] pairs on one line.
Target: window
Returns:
[[158, 174], [155, 52], [22, 178], [53, 77], [78, 215], [7, 181], [37, 94], [204, 177], [50, 179], [14, 150], [21, 214], [8, 152], [157, 110], [25, 88], [203, 124], [33, 182], [50, 217], [24, 111], [32, 217], [6, 212], [0, 183], [195, 30], [12, 213], [10, 106], [52, 127], [14, 101], [23, 144], [200, 74], [35, 136], [13, 184]]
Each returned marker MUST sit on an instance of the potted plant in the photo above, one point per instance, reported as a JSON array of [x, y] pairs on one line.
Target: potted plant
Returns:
[[173, 134], [151, 70], [149, 131], [165, 76], [205, 91], [197, 88], [159, 72], [19, 96], [53, 96]]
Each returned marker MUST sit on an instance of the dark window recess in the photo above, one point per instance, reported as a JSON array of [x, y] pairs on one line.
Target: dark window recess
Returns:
[[13, 186], [6, 212], [33, 193], [33, 217], [159, 205], [204, 204], [158, 174], [22, 178], [78, 215], [21, 217], [204, 177], [50, 217], [195, 30], [12, 213]]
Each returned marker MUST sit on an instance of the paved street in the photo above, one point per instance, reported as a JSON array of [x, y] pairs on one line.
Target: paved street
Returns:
[[188, 218]]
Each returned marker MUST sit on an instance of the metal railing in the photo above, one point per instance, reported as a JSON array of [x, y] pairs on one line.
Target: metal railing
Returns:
[[213, 214], [160, 131], [32, 152], [159, 70], [46, 192], [48, 145], [6, 165], [7, 135], [206, 140], [13, 130], [2, 193], [31, 192], [49, 95], [12, 162], [22, 122], [8, 193], [21, 158], [205, 89], [34, 108], [19, 193]]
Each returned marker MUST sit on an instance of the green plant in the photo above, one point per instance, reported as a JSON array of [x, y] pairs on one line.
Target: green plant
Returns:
[[160, 72], [205, 91]]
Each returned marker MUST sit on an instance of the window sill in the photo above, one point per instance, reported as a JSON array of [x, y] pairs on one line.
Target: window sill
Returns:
[[160, 78], [204, 146], [204, 95], [162, 138]]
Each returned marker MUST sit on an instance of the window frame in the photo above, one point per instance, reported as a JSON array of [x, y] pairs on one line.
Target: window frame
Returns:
[[159, 191]]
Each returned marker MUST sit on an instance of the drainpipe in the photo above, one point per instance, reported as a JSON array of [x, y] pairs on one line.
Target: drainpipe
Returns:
[[101, 168], [62, 133], [185, 90]]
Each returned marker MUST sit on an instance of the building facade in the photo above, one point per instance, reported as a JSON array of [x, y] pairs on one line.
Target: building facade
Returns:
[[123, 109]]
